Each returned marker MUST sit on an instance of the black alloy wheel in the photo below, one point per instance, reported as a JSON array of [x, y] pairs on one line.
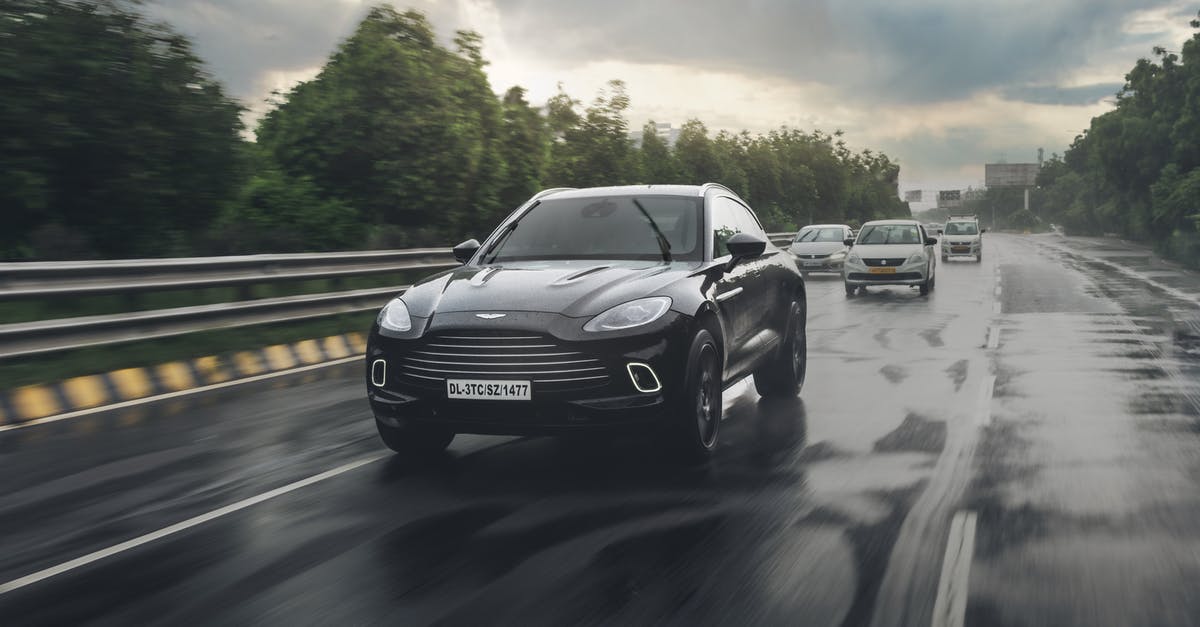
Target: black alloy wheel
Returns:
[[697, 415], [783, 375]]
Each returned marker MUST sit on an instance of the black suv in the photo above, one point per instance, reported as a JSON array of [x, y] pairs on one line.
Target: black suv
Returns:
[[613, 307]]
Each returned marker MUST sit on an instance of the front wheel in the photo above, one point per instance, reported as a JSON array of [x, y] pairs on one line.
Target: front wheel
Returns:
[[783, 374], [414, 441], [979, 257], [850, 290], [696, 415]]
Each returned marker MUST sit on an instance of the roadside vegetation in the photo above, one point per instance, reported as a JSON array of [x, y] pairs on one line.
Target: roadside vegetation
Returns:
[[119, 143]]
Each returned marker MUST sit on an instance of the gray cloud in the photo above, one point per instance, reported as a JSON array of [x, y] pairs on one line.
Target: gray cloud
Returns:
[[1052, 95], [887, 50]]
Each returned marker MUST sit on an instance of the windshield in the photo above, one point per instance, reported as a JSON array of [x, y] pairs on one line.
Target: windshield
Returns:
[[961, 228], [618, 227], [889, 234], [820, 235]]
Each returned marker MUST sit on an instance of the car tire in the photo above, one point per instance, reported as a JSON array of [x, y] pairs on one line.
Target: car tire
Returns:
[[696, 415], [850, 289], [414, 441], [925, 287], [945, 258], [783, 374], [979, 257]]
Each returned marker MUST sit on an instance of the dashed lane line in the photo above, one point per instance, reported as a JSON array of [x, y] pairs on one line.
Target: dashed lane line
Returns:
[[983, 413], [116, 549], [950, 607]]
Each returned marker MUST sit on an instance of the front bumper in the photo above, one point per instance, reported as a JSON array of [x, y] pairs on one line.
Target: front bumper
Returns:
[[826, 264], [908, 274], [412, 392], [961, 250]]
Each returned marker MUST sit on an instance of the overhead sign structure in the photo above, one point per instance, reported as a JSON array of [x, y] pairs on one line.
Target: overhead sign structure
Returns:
[[912, 196], [949, 199], [1010, 174]]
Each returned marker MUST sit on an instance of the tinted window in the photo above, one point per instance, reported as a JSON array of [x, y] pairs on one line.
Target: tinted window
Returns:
[[619, 227], [890, 234], [822, 235], [961, 228]]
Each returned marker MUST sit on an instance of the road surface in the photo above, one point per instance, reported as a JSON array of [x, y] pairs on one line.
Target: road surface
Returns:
[[1022, 447]]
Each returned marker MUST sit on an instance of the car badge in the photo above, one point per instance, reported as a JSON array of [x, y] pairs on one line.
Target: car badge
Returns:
[[490, 316], [884, 262]]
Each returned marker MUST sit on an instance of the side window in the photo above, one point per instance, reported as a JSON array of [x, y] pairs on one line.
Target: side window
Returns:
[[749, 223], [724, 224]]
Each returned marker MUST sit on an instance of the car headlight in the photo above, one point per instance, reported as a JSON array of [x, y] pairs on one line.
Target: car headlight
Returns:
[[394, 316], [916, 258], [838, 255], [634, 313], [854, 258]]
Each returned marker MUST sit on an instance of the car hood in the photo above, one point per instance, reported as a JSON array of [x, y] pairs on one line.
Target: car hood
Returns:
[[571, 288], [887, 251], [816, 248]]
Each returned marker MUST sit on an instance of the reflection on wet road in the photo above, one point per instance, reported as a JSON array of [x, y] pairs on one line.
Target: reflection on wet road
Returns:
[[1050, 391]]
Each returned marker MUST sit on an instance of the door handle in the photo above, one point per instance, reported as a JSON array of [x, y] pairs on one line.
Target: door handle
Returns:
[[727, 295]]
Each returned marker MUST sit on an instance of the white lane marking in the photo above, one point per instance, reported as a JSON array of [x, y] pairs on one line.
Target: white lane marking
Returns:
[[993, 340], [950, 608], [170, 395], [96, 556], [983, 414], [996, 307], [997, 291]]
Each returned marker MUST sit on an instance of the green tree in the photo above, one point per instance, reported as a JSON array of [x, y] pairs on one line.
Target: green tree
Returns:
[[592, 149], [111, 130], [397, 126], [658, 165]]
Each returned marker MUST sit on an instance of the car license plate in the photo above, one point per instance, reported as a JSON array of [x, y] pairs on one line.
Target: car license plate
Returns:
[[882, 270], [960, 249], [481, 390], [812, 264]]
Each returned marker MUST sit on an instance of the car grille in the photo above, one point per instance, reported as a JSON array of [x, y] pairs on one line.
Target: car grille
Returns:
[[535, 357], [814, 256], [960, 243], [899, 276], [885, 262]]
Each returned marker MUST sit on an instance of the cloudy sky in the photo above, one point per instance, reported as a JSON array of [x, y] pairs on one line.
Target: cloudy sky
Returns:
[[942, 86]]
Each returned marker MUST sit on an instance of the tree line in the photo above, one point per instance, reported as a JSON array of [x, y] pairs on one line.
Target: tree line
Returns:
[[1135, 170], [118, 143]]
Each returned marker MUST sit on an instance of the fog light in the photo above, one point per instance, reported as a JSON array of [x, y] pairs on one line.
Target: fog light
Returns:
[[379, 373], [643, 377]]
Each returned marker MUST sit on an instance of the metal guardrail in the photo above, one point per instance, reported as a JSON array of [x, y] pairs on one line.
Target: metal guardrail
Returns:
[[73, 279]]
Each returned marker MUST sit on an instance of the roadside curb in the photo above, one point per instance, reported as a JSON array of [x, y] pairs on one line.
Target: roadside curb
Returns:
[[34, 402]]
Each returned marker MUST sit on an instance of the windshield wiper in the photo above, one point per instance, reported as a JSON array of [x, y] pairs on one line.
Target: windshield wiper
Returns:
[[512, 226], [664, 244]]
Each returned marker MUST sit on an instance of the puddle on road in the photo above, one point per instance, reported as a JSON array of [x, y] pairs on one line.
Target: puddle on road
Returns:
[[958, 373], [894, 374], [915, 434]]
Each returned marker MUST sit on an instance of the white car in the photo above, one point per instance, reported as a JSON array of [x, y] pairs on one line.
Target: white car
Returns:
[[891, 252], [821, 247], [962, 238]]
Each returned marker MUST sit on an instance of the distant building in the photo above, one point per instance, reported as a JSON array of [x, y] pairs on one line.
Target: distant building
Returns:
[[664, 130]]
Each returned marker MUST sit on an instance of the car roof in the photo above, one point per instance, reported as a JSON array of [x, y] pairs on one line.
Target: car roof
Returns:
[[628, 190], [824, 226], [886, 222]]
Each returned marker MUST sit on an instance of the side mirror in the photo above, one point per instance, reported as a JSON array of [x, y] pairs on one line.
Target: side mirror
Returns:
[[982, 231], [744, 246], [940, 232], [849, 242], [464, 251], [931, 241]]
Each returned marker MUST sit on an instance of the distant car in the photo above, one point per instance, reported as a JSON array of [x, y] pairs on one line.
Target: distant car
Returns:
[[962, 237], [821, 247], [933, 229], [891, 252], [592, 309]]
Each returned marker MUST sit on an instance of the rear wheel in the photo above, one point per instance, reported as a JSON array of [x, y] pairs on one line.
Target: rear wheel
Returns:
[[414, 441], [696, 416], [783, 374]]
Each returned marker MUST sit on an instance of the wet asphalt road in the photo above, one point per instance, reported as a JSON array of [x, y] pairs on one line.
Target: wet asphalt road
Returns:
[[1043, 403]]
